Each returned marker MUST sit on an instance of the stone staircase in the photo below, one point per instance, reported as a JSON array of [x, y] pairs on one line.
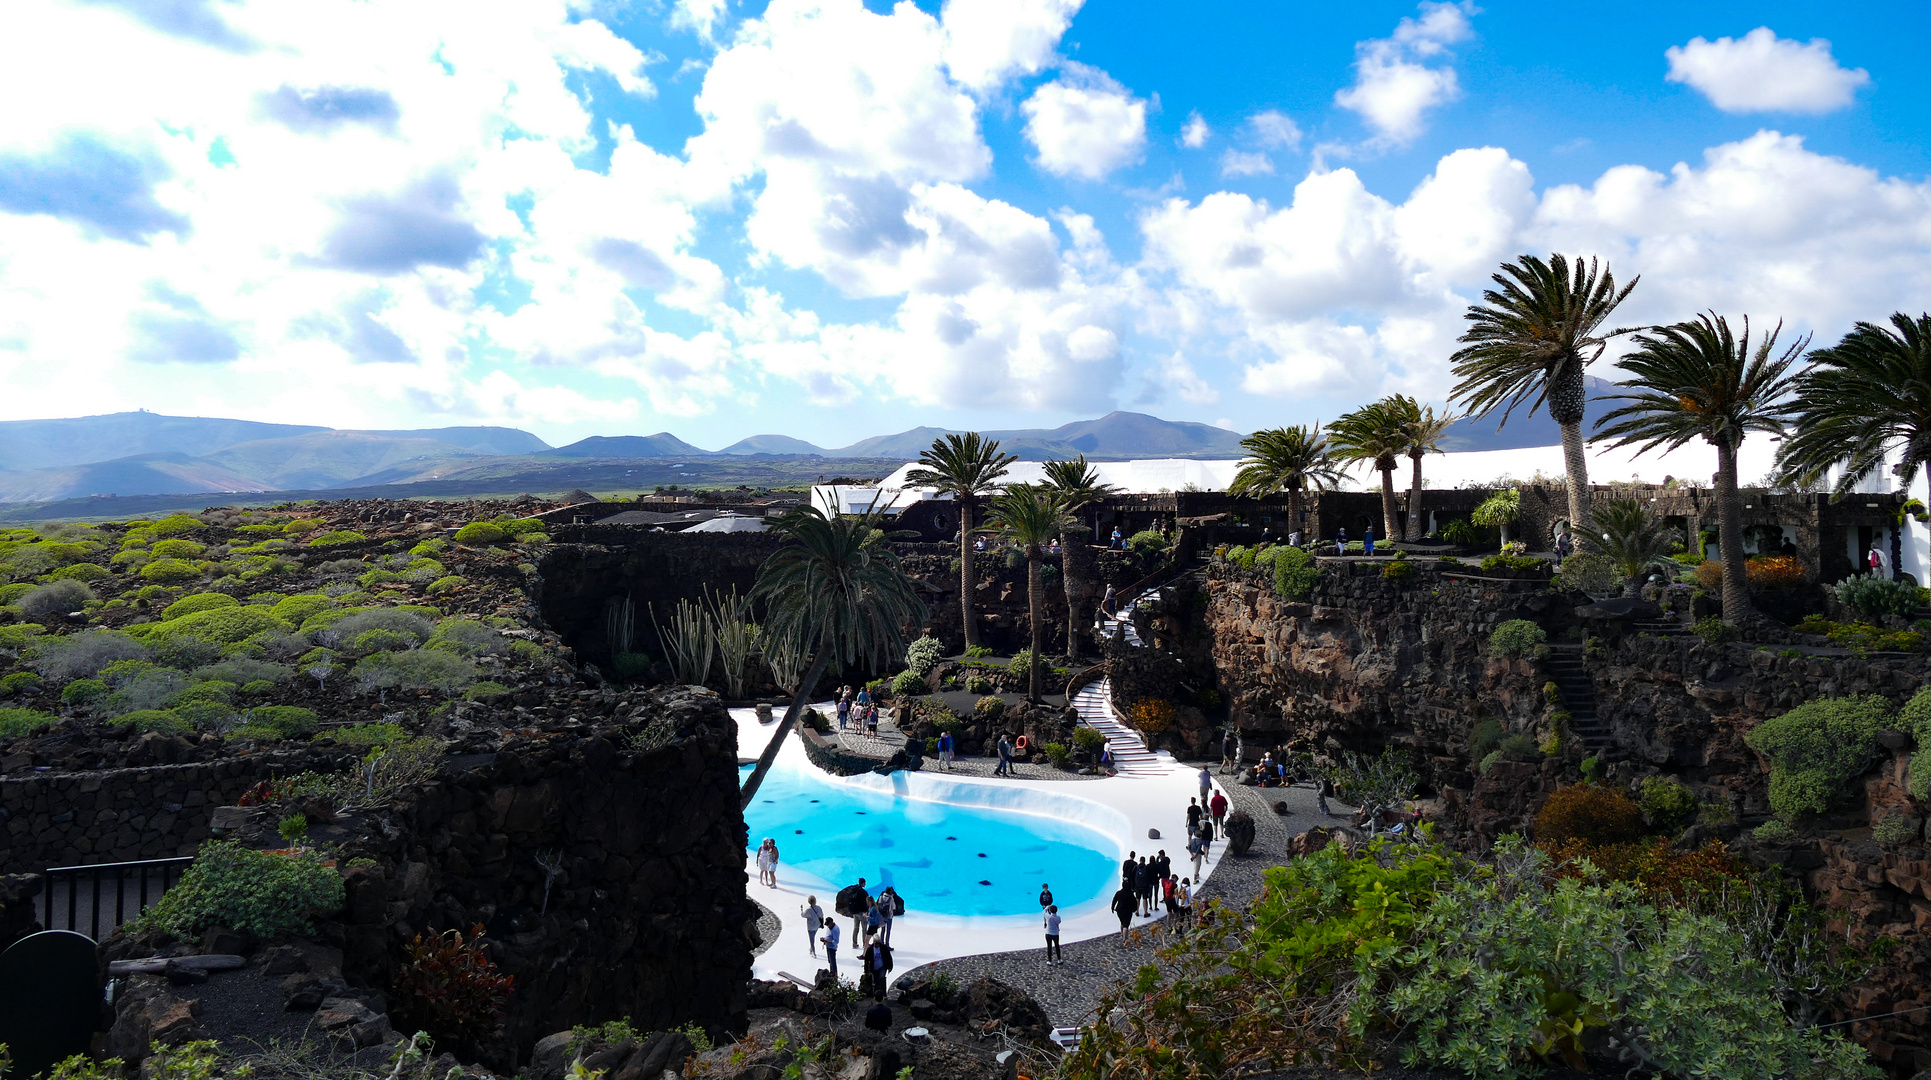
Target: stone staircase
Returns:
[[1566, 670], [1130, 754], [1667, 626]]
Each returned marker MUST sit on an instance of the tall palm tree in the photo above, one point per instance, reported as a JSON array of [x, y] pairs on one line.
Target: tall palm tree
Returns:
[[836, 593], [1292, 459], [968, 468], [1859, 399], [1633, 538], [1377, 432], [1075, 485], [1699, 380], [1530, 340], [1424, 433], [1030, 518]]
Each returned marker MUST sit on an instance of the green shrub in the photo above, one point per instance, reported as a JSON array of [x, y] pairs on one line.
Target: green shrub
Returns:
[[1485, 738], [978, 652], [381, 641], [907, 683], [419, 669], [1873, 596], [1058, 753], [428, 547], [215, 690], [467, 637], [978, 684], [1516, 639], [370, 736], [990, 707], [1894, 830], [289, 721], [19, 682], [1264, 558], [1667, 803], [443, 584], [15, 723], [1088, 741], [170, 571], [1399, 570], [293, 828], [174, 525], [1587, 812], [1591, 574], [481, 534], [1147, 542], [377, 577], [205, 601], [223, 625], [1775, 831], [269, 896], [1817, 749], [56, 598], [487, 691], [83, 572], [83, 692], [1021, 664], [257, 687], [1512, 562], [923, 655], [178, 549], [1295, 574], [165, 721], [1715, 631], [336, 538]]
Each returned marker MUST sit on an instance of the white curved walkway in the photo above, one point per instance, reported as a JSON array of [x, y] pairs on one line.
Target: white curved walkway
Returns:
[[1122, 808]]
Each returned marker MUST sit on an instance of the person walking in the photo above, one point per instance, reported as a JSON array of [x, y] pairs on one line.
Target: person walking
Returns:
[[1051, 920], [1184, 896], [1106, 602], [855, 901], [1880, 563], [1219, 808], [1227, 750], [1367, 541], [1193, 814], [1144, 877], [1123, 904], [1129, 873], [946, 747], [878, 965], [1206, 785], [1170, 898], [1118, 541], [1341, 540], [831, 947], [814, 918], [1162, 866], [1197, 848], [1005, 758]]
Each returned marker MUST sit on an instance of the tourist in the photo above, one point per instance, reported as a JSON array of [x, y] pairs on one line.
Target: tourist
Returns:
[[814, 918], [831, 946], [888, 905], [1197, 848], [1129, 871], [1123, 904], [874, 920], [1227, 751], [855, 901], [1219, 808], [1294, 538], [1880, 565], [878, 965], [1106, 602], [1787, 548], [1005, 757], [877, 1018], [1367, 541], [1193, 814], [1341, 540], [1143, 877], [871, 721], [1564, 547], [844, 711], [1052, 935], [1206, 784], [1163, 866], [1118, 541], [946, 747], [768, 863], [1054, 549], [1184, 896], [1321, 797], [864, 697], [1169, 898], [1045, 896]]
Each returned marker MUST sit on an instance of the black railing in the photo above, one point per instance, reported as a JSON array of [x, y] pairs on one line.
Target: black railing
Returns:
[[107, 893]]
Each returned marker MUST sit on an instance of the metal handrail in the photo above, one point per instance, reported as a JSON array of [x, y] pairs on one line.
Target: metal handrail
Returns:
[[116, 873]]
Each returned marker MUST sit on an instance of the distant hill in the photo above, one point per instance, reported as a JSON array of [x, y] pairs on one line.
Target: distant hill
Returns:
[[1117, 435], [773, 444], [142, 474], [326, 459], [1525, 428], [42, 444], [661, 445]]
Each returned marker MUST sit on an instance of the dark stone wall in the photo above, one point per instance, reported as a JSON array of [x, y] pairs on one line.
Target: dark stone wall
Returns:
[[576, 581], [648, 916]]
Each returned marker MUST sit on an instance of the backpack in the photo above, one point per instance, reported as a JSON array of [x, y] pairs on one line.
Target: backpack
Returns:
[[898, 904]]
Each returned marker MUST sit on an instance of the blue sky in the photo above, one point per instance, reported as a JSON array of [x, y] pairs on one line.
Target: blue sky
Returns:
[[831, 219]]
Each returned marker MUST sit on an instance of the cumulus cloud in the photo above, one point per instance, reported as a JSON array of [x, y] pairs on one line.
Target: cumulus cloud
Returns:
[[85, 180], [421, 225], [990, 41], [1273, 130], [1194, 135], [175, 328], [1394, 87], [1761, 72], [1085, 124], [326, 107], [197, 20], [701, 16], [1245, 163]]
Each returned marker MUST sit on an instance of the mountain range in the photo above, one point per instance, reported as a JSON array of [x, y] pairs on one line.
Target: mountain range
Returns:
[[143, 453]]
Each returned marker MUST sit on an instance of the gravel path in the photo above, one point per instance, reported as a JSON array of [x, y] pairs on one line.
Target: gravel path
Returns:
[[1070, 992], [768, 928]]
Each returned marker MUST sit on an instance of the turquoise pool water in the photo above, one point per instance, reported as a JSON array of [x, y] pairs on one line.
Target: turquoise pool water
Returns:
[[952, 860]]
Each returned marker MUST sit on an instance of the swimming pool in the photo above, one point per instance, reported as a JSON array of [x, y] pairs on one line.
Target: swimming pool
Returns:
[[942, 858]]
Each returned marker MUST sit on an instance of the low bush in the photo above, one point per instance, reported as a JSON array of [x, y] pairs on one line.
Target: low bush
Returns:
[[908, 683], [923, 655], [1715, 631], [370, 736], [467, 637], [55, 598], [418, 669], [1057, 753], [1775, 572], [1147, 542], [1667, 804], [178, 549], [1088, 741], [1506, 561], [242, 671], [450, 988], [443, 585], [289, 721], [15, 723], [978, 684], [1020, 666], [1587, 812], [85, 571], [1591, 574], [223, 625], [336, 538], [1485, 738], [170, 571], [1775, 831], [1398, 571], [194, 602], [990, 707], [82, 656], [1516, 639], [83, 692], [228, 884], [1152, 715], [1894, 830], [1874, 597], [164, 721], [1817, 749], [19, 682], [486, 691], [481, 534], [1295, 574]]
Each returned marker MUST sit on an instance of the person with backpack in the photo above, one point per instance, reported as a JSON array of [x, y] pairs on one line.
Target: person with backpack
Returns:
[[854, 901]]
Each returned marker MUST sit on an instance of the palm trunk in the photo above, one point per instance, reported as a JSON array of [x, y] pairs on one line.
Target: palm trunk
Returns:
[[1577, 466], [1729, 536], [1036, 603], [966, 576], [805, 687], [1072, 568], [1387, 503], [1414, 503], [1294, 523]]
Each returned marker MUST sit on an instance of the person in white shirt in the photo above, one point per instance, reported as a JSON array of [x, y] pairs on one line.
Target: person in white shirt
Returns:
[[814, 918], [1052, 935], [831, 946]]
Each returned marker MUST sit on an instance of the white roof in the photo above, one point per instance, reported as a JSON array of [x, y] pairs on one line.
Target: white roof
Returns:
[[1147, 476], [729, 524]]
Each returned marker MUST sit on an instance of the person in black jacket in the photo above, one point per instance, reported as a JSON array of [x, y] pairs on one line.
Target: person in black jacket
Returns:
[[1124, 903]]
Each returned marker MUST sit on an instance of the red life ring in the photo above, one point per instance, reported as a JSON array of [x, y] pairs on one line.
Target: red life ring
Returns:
[[1021, 744]]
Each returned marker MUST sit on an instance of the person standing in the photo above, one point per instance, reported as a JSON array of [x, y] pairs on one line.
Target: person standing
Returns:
[[844, 711], [855, 901], [1879, 562], [1145, 877], [1045, 896], [1163, 866], [1118, 541], [887, 911], [1123, 904], [874, 920], [1005, 758], [1219, 808], [814, 918], [1170, 899], [831, 947], [1106, 602], [1206, 785], [1341, 540], [1321, 797], [1367, 541], [878, 964], [1053, 955], [1129, 871], [946, 746]]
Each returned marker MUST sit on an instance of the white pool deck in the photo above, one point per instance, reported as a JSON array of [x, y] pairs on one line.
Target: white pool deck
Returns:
[[1121, 808]]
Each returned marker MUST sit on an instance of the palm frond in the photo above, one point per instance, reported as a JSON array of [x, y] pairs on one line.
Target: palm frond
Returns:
[[1861, 398], [1533, 335], [1699, 379], [1287, 459]]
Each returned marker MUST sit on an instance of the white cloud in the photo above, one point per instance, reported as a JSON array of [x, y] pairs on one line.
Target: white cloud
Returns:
[[989, 41], [1245, 163], [701, 16], [1761, 72], [1392, 90], [1273, 130], [1194, 134], [1085, 124]]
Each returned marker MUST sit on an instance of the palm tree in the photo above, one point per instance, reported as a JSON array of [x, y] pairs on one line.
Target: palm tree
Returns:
[[968, 468], [1699, 380], [1289, 459], [834, 592], [1075, 485], [1377, 432], [1530, 340], [1632, 537], [1861, 398], [1030, 518], [1424, 433]]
